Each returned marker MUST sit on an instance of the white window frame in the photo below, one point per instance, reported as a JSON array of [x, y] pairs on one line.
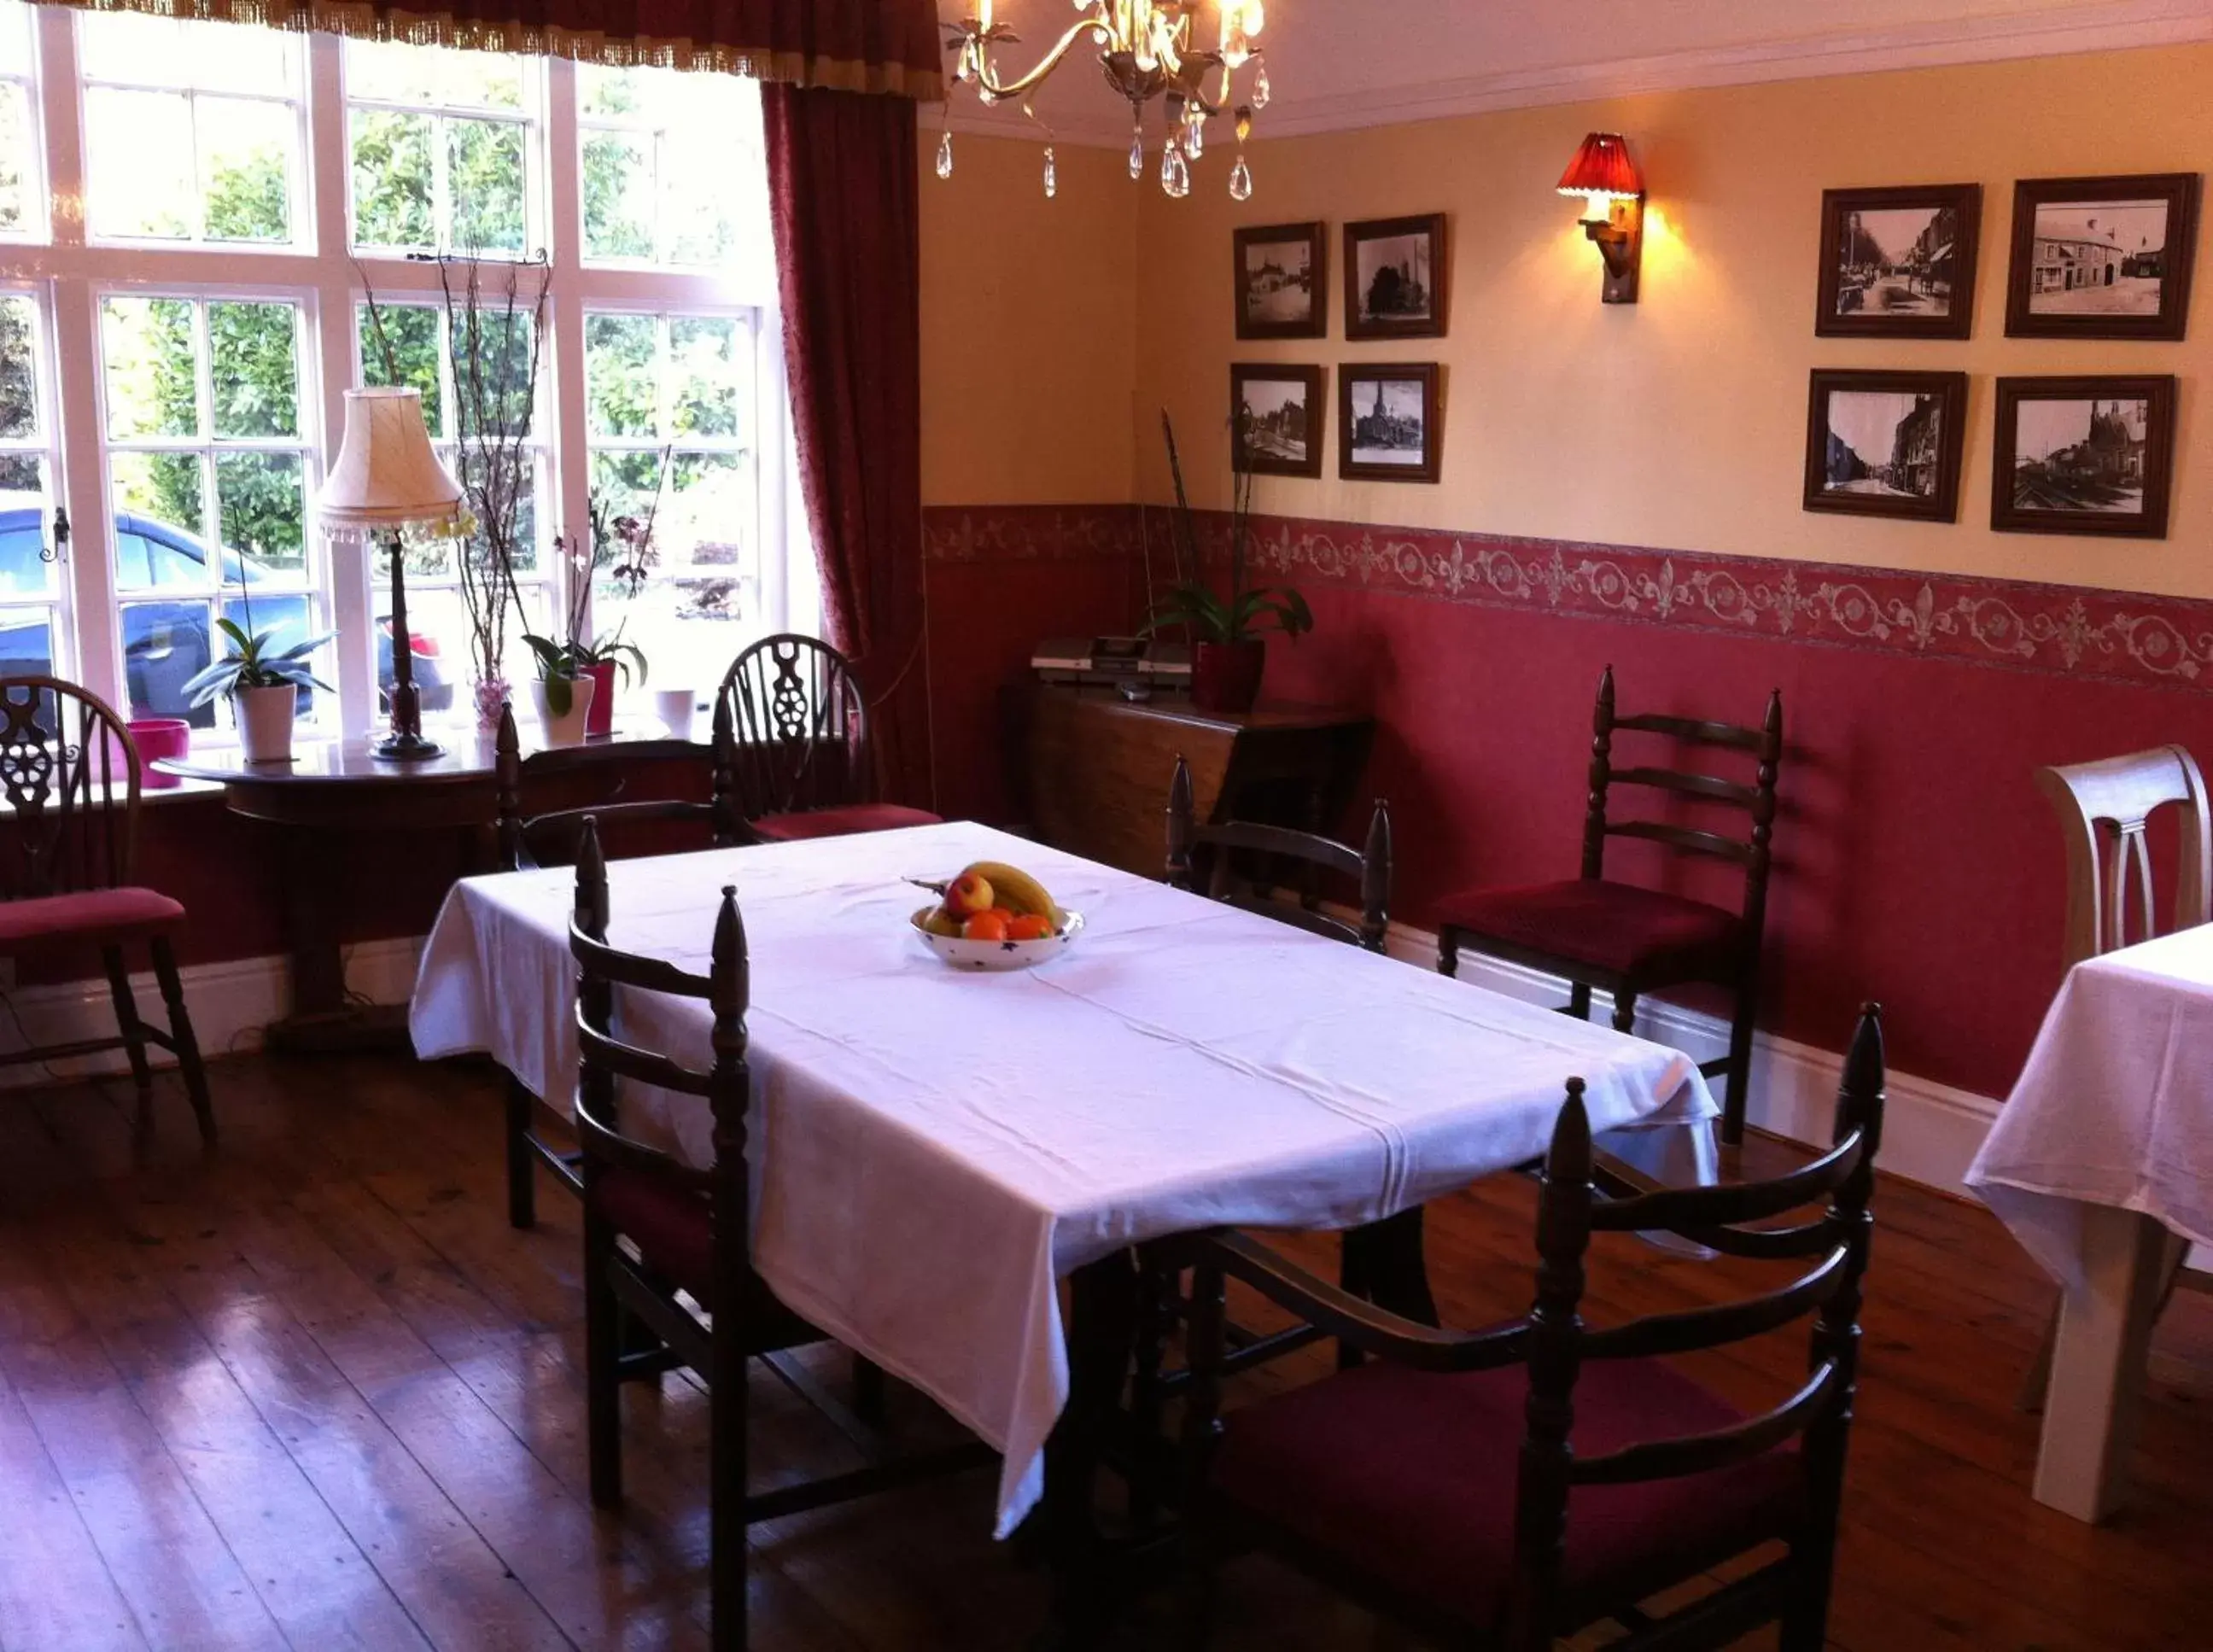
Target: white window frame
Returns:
[[71, 274]]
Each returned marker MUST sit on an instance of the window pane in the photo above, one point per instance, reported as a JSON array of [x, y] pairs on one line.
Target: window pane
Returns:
[[165, 645], [499, 394], [261, 502], [26, 643], [163, 52], [24, 569], [703, 206], [707, 374], [391, 70], [246, 158], [19, 371], [18, 155], [392, 181], [485, 158], [15, 38], [256, 375], [161, 504], [139, 163], [406, 354], [148, 344], [620, 395], [617, 196], [440, 656], [604, 91]]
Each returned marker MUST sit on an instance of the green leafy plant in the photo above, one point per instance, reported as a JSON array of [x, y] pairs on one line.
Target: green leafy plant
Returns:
[[249, 664], [558, 668], [1207, 615]]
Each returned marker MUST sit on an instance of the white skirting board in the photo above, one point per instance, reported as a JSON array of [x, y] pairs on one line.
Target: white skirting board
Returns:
[[230, 1004], [1931, 1135]]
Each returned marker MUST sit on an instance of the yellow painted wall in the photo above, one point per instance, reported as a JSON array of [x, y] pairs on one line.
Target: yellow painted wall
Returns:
[[1681, 422], [1028, 325]]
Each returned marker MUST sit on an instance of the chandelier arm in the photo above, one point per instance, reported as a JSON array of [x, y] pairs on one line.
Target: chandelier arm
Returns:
[[987, 80]]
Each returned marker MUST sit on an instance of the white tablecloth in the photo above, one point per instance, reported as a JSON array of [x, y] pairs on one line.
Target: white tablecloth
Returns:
[[934, 1150], [2115, 1105]]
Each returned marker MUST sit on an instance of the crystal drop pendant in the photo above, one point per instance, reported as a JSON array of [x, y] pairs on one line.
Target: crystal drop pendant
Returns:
[[1052, 175], [1138, 152], [1175, 172], [1261, 88], [945, 155], [1194, 139], [1240, 182]]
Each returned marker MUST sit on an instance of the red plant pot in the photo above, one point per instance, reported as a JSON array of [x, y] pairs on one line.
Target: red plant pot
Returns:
[[157, 738], [1226, 676], [600, 715]]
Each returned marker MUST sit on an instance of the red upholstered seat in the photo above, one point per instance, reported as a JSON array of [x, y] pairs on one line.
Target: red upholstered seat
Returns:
[[674, 1232], [841, 822], [1611, 926], [1410, 1476], [95, 915]]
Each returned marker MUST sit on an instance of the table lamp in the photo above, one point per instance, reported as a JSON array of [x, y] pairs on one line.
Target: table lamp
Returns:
[[385, 484]]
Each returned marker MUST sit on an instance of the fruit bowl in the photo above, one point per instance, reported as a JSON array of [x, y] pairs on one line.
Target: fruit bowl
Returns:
[[995, 954]]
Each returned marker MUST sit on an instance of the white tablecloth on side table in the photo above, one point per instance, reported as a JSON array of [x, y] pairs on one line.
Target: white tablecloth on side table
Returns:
[[2104, 1148], [935, 1149]]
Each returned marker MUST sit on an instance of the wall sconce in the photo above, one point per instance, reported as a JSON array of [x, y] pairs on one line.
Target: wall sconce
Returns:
[[1603, 173]]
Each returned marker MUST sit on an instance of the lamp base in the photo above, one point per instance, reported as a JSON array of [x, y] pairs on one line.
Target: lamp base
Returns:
[[402, 745]]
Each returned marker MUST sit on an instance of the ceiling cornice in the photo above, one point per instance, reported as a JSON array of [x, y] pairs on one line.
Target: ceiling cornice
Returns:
[[2117, 26]]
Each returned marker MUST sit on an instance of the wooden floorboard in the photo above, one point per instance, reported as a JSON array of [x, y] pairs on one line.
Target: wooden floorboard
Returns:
[[312, 1392]]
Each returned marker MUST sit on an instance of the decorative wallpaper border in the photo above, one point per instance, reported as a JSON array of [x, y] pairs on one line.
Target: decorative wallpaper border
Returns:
[[2058, 629]]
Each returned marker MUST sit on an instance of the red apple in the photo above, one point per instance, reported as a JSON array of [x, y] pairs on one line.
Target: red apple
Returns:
[[968, 895]]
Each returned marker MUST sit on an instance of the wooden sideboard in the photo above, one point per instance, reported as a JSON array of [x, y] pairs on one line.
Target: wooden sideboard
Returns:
[[1097, 768]]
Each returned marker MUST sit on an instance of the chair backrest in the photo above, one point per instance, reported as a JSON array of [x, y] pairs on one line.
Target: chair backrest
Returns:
[[69, 770], [550, 837], [1571, 1207], [802, 727], [1220, 847], [1757, 800], [2105, 809]]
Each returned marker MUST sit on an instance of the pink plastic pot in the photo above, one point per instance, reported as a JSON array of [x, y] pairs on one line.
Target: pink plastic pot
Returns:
[[157, 738], [600, 718]]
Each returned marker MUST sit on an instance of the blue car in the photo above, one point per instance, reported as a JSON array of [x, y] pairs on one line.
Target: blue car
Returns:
[[166, 644]]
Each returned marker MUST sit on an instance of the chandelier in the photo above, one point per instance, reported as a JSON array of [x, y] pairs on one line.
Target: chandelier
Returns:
[[1145, 52]]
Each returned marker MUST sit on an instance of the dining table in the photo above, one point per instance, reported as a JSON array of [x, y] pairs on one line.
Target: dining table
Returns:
[[2100, 1163], [936, 1153]]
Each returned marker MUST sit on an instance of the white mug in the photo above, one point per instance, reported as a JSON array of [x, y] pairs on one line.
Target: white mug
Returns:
[[674, 706]]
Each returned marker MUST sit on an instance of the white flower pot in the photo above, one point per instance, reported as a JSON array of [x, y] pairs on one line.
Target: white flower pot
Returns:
[[265, 721], [568, 728]]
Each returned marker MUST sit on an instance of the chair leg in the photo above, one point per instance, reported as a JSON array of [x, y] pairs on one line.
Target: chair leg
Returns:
[[1147, 1402], [1447, 950], [1804, 1623], [1740, 1062], [189, 1064], [1579, 996], [603, 1317], [133, 1031], [1624, 1011], [521, 1173], [869, 1391]]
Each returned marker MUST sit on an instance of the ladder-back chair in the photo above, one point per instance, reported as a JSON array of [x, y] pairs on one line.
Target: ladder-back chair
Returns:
[[1503, 1488], [804, 762], [1624, 938], [70, 772]]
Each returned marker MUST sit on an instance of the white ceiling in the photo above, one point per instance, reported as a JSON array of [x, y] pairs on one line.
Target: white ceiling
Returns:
[[1337, 63]]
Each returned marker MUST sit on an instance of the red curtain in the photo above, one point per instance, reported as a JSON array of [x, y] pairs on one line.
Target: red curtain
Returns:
[[855, 46], [843, 191]]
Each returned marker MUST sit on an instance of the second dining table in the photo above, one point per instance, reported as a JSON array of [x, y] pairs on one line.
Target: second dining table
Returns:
[[935, 1150]]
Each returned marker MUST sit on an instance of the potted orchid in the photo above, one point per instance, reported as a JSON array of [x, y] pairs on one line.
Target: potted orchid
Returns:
[[622, 547], [262, 683]]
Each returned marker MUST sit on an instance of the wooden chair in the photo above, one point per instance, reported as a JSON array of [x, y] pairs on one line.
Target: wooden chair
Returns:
[[804, 756], [1503, 1487], [1368, 869], [1627, 939], [69, 771], [2105, 808], [668, 1246], [550, 839]]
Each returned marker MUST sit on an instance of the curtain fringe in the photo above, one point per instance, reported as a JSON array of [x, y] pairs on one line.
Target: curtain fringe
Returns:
[[364, 22]]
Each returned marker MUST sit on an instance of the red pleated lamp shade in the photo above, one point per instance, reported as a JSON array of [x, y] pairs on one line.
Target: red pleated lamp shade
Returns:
[[1603, 167]]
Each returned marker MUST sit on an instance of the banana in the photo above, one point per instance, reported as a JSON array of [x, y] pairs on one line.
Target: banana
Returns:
[[1017, 891]]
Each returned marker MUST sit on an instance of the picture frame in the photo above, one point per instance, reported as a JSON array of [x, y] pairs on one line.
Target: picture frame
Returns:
[[2087, 453], [1282, 281], [2102, 258], [1898, 263], [1277, 417], [1880, 443], [1389, 422], [1396, 277]]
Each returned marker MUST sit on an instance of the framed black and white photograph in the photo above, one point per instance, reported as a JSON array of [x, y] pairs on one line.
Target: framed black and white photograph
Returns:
[[1394, 279], [1886, 444], [2102, 258], [2083, 455], [1898, 263], [1388, 422], [1276, 428], [1282, 282]]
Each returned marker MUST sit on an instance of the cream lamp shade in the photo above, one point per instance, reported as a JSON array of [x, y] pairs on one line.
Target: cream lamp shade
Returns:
[[386, 479]]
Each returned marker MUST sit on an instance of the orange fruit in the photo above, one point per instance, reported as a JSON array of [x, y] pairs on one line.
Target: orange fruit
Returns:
[[985, 926], [1030, 926]]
